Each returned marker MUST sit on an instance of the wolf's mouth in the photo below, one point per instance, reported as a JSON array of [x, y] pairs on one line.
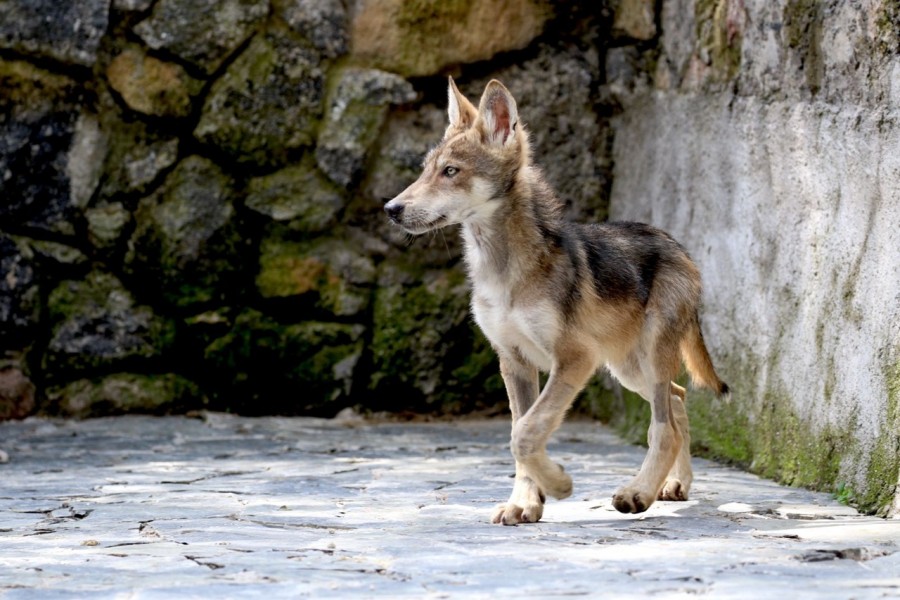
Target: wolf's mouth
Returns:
[[419, 227]]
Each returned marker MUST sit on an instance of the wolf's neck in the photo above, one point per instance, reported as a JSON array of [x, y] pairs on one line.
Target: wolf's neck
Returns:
[[510, 243]]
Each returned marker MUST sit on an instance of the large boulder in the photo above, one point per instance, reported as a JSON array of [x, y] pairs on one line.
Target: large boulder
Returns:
[[65, 30], [422, 38], [137, 155], [185, 247], [96, 322], [268, 103], [323, 22], [328, 274], [152, 86], [203, 33], [51, 151], [356, 114], [124, 393], [299, 196]]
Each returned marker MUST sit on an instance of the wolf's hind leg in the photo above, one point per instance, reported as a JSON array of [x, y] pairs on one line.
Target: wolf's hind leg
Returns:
[[664, 441], [525, 505], [678, 482]]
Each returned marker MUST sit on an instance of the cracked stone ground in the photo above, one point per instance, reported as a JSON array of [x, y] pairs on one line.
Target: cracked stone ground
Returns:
[[232, 507]]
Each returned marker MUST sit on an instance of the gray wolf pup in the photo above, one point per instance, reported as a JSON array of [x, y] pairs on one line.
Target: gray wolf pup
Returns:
[[564, 298]]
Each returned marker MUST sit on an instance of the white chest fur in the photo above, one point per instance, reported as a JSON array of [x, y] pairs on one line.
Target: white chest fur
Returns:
[[527, 329]]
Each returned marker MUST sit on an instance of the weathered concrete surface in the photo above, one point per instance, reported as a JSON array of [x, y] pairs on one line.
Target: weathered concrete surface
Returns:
[[144, 507], [784, 184]]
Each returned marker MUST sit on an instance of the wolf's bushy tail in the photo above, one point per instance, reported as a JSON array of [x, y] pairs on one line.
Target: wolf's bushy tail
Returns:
[[699, 364]]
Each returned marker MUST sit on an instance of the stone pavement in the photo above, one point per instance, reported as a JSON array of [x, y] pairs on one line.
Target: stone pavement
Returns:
[[231, 507]]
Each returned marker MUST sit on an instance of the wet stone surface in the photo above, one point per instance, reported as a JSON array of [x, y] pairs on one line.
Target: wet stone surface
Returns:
[[235, 507]]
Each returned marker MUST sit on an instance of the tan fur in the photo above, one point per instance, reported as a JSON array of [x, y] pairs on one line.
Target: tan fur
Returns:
[[562, 298]]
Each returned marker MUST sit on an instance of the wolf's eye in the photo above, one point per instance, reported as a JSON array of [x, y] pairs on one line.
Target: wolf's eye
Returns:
[[450, 171]]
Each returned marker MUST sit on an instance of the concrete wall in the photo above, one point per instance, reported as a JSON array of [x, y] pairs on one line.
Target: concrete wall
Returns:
[[764, 135]]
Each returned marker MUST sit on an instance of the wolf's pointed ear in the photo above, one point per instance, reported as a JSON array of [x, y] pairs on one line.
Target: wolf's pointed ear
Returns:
[[460, 111], [497, 114]]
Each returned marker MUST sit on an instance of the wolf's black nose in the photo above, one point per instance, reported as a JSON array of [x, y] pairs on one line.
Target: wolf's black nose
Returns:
[[393, 210]]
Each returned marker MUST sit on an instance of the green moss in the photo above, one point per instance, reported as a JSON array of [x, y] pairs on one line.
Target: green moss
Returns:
[[328, 273], [481, 360], [883, 472], [719, 38], [790, 449], [426, 353], [762, 430], [803, 24], [887, 26]]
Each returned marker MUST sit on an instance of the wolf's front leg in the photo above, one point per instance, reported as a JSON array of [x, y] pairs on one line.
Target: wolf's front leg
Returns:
[[532, 431], [525, 504], [664, 441]]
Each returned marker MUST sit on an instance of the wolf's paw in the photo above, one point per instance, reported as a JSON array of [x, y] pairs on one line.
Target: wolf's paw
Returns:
[[553, 479], [513, 514], [632, 500], [560, 485], [673, 490], [525, 504]]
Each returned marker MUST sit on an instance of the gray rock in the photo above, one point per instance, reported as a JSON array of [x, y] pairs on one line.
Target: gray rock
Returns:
[[323, 22], [267, 103], [202, 32], [356, 114], [51, 152], [132, 5], [96, 322], [298, 195], [65, 30], [106, 224], [791, 211], [137, 155], [19, 302], [52, 254], [185, 246]]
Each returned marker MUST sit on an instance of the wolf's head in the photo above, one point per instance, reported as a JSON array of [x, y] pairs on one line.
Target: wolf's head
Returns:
[[466, 176]]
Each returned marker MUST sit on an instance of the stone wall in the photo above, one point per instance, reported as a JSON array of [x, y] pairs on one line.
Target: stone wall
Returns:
[[191, 192], [766, 136]]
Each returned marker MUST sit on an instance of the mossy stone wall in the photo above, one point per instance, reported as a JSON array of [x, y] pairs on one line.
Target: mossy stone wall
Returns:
[[191, 198]]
